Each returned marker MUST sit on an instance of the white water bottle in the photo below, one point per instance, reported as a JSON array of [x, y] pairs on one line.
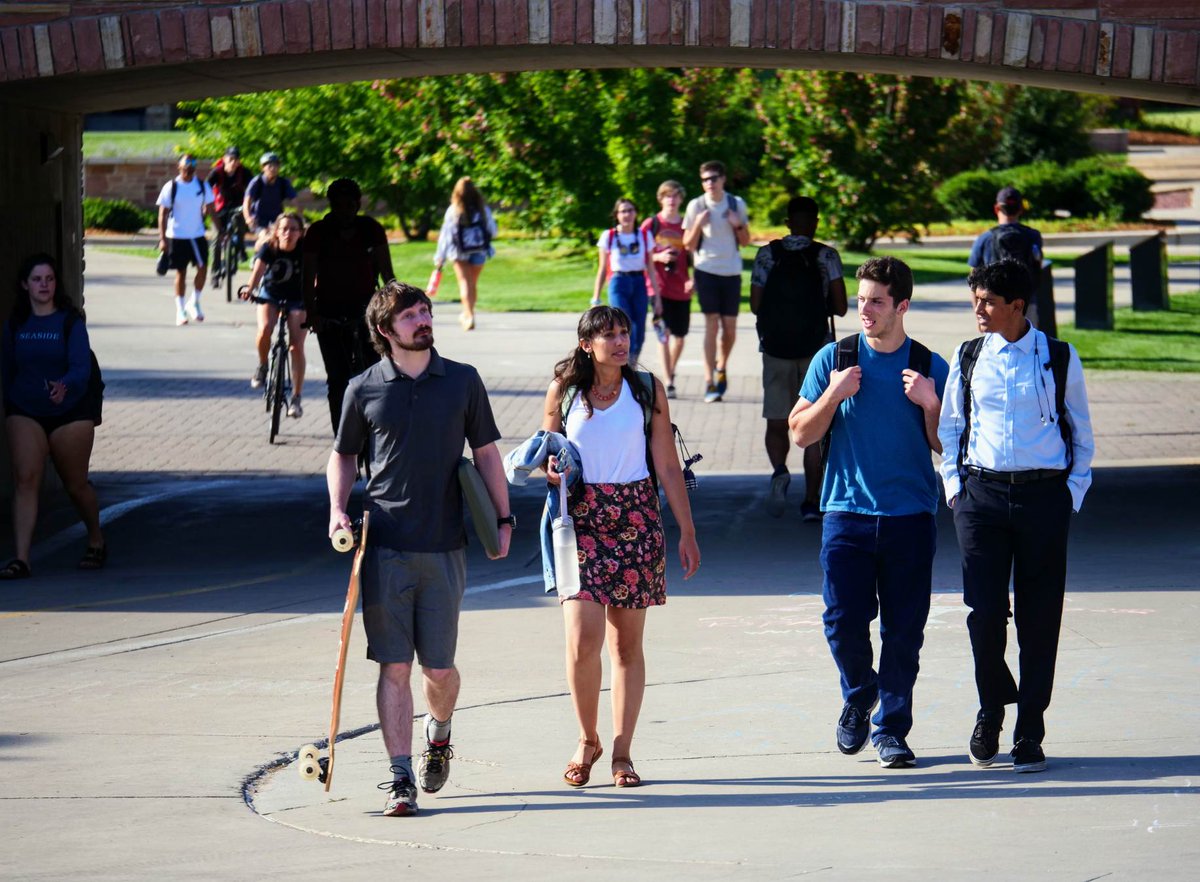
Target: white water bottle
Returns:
[[566, 551], [660, 329]]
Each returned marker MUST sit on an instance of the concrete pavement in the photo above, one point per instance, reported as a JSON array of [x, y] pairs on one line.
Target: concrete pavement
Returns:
[[151, 710]]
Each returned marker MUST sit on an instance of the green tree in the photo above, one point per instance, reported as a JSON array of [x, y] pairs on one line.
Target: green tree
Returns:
[[865, 146]]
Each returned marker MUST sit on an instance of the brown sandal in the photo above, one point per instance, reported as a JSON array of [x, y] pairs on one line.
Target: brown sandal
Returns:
[[583, 770], [628, 778]]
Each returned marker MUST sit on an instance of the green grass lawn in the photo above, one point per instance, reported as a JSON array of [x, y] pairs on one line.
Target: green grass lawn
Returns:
[[1144, 341], [1185, 120], [132, 145]]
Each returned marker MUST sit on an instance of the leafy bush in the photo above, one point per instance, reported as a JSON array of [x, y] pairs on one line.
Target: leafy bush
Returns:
[[1098, 186], [117, 215]]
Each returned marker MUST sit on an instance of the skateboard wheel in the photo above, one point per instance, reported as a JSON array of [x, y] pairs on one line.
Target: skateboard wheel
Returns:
[[310, 769], [343, 540], [308, 751]]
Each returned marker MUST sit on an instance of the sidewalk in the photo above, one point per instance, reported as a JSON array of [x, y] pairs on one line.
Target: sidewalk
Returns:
[[152, 710]]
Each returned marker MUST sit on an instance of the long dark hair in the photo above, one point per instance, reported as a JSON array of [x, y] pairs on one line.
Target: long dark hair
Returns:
[[21, 309], [577, 371]]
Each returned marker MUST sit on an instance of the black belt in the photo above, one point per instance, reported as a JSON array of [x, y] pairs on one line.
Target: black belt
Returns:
[[629, 272], [1025, 477]]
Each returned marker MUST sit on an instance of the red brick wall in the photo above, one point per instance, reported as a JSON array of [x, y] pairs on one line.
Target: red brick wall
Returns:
[[140, 180]]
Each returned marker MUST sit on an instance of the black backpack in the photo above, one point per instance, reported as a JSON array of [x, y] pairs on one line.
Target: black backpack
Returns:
[[1060, 360], [1012, 242], [472, 237], [920, 359], [793, 313]]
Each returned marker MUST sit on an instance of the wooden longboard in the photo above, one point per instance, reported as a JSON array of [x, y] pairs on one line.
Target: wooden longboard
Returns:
[[311, 766]]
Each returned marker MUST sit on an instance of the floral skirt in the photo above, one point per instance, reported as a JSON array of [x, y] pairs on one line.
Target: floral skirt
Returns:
[[622, 550]]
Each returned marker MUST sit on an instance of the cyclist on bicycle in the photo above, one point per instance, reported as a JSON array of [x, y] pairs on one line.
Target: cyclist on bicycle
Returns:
[[346, 259], [229, 180], [277, 265], [266, 195]]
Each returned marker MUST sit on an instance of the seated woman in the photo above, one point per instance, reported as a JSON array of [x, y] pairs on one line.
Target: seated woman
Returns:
[[45, 357], [277, 265]]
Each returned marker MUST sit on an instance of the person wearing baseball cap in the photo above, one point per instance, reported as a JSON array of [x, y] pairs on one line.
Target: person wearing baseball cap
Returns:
[[229, 180], [267, 195], [1012, 240]]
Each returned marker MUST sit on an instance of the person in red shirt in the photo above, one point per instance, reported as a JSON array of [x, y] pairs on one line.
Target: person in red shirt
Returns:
[[228, 179], [670, 264], [346, 259]]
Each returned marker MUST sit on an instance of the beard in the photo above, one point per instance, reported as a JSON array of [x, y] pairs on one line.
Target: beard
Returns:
[[422, 340]]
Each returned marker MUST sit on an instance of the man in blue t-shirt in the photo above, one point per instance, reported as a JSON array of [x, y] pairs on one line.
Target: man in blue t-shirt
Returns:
[[879, 496]]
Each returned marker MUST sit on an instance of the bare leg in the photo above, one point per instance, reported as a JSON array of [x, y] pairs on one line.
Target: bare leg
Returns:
[[296, 337], [468, 284], [268, 314], [625, 630], [711, 321], [393, 698], [584, 623], [71, 450], [201, 275], [728, 336], [180, 282], [441, 691], [676, 344], [777, 442], [28, 447]]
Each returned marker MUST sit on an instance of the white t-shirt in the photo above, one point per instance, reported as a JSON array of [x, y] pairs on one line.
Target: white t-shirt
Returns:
[[718, 252], [612, 442], [187, 218], [627, 254]]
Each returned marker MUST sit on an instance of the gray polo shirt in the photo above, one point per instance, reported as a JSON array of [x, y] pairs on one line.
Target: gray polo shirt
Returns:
[[416, 427]]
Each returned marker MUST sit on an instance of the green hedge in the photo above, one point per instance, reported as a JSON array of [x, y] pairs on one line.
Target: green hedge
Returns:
[[116, 215], [1098, 186]]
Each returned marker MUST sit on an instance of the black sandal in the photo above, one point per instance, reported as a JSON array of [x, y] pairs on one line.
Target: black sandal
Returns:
[[94, 558], [15, 569]]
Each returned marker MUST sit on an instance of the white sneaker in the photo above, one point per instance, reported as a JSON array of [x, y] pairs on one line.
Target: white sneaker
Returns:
[[194, 309], [260, 377], [295, 411], [180, 318]]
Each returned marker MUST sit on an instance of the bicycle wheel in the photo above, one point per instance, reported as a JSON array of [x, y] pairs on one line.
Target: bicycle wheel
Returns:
[[278, 398], [230, 260]]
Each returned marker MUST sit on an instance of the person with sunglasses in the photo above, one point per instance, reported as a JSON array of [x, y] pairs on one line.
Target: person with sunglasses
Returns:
[[624, 258], [715, 226]]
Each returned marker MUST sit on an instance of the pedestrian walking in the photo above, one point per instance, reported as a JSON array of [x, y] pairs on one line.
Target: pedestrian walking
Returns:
[[716, 225], [620, 423], [413, 411], [624, 258], [52, 406], [795, 288], [468, 229], [1011, 240], [183, 204], [1017, 453], [346, 258], [877, 396], [669, 262]]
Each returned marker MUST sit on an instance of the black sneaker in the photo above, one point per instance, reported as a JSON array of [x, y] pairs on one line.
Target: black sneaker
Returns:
[[402, 797], [985, 739], [434, 768], [853, 727], [894, 753], [1028, 757]]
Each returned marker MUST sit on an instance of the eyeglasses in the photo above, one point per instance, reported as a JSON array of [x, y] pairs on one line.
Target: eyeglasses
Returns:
[[710, 179]]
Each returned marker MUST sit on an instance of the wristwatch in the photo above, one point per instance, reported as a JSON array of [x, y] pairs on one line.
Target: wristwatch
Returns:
[[511, 520]]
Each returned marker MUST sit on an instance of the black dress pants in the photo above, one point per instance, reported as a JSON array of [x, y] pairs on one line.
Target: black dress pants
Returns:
[[1017, 530]]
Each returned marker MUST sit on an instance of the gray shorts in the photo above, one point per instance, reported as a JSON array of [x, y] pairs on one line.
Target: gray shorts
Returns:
[[410, 604], [782, 379]]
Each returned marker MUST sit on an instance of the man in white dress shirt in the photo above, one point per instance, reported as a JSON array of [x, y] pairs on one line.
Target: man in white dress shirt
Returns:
[[1016, 461]]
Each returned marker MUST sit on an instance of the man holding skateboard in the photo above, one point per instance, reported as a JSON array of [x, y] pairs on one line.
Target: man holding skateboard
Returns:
[[416, 408]]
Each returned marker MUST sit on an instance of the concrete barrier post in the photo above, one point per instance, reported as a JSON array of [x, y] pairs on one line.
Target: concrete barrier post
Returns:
[[1148, 274], [1094, 289]]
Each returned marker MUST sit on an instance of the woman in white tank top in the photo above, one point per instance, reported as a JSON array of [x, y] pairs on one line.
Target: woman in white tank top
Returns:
[[618, 526]]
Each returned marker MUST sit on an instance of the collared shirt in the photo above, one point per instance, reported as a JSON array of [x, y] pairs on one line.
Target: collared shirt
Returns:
[[416, 427], [1013, 417]]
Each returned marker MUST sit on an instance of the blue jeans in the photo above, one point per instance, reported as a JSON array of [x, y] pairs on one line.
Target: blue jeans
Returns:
[[627, 292], [876, 565]]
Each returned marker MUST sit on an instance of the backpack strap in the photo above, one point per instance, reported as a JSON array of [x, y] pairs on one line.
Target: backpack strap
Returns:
[[968, 354], [647, 381], [1060, 361], [920, 359], [846, 355]]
